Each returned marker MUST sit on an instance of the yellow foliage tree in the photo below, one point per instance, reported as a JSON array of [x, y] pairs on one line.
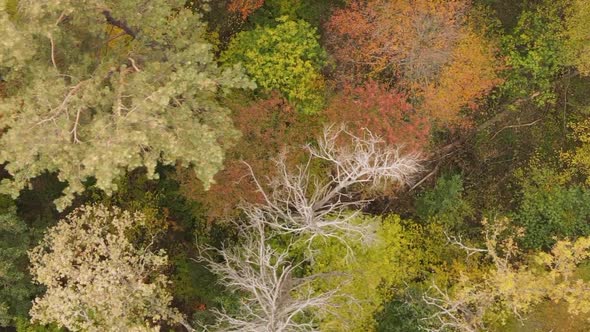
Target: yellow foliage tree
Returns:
[[363, 282], [579, 158], [578, 35], [470, 74], [514, 283]]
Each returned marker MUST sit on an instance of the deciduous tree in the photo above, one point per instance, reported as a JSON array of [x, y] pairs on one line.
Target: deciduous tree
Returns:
[[286, 57], [384, 112], [513, 284], [550, 209], [298, 211], [470, 75], [406, 39], [274, 298], [577, 32], [244, 7], [579, 157], [302, 203], [535, 52], [362, 285], [268, 127], [16, 288], [97, 279], [425, 48]]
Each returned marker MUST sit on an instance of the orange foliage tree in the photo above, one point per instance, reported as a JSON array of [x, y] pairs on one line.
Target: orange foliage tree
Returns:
[[385, 113], [413, 39], [418, 46], [244, 7], [472, 73]]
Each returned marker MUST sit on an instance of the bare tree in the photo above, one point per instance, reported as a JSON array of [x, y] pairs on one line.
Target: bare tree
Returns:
[[302, 203], [457, 313], [301, 206], [274, 299], [505, 287]]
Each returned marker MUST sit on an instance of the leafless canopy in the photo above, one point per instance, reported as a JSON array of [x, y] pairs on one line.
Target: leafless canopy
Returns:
[[302, 203], [302, 206], [274, 299]]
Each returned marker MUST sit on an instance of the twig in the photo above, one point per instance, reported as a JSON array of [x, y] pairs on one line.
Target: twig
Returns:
[[52, 50], [516, 126], [133, 64], [75, 129]]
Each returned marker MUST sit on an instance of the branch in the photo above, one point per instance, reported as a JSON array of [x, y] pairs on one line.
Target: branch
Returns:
[[457, 241], [426, 177], [274, 296], [302, 203], [134, 65], [515, 126], [75, 129], [119, 23], [52, 50], [63, 105]]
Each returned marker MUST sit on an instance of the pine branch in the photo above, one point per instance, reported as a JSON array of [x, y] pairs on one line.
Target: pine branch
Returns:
[[119, 24]]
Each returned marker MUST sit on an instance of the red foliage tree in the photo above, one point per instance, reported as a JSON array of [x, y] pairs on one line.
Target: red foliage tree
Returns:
[[268, 128], [383, 112]]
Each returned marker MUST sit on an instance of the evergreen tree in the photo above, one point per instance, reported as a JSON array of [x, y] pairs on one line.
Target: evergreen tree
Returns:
[[16, 288], [96, 88]]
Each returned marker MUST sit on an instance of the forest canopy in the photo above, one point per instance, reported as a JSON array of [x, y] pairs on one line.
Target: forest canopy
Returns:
[[295, 165]]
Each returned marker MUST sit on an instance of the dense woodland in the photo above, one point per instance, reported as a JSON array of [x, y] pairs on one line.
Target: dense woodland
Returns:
[[295, 165]]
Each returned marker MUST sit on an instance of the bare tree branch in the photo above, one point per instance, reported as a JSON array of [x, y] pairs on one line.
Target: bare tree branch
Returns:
[[458, 241], [303, 206], [302, 203], [274, 298], [75, 129], [52, 50]]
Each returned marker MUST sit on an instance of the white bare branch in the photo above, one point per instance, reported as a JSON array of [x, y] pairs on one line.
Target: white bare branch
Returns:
[[505, 285], [274, 298], [458, 241], [302, 203], [304, 206], [456, 313]]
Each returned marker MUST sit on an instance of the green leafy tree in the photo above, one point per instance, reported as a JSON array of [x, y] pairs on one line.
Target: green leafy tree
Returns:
[[403, 314], [16, 289], [445, 202], [312, 11], [286, 57], [24, 325], [534, 53], [550, 209], [96, 88]]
